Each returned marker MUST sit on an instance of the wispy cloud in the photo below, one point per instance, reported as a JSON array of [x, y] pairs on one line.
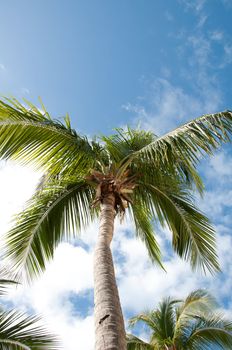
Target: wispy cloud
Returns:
[[228, 54], [202, 20], [169, 16], [170, 105], [195, 5], [216, 35]]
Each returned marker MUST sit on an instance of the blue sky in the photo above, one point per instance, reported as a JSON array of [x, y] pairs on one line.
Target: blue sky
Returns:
[[108, 64]]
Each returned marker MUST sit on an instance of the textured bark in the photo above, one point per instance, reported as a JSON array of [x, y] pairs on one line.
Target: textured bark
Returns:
[[109, 324]]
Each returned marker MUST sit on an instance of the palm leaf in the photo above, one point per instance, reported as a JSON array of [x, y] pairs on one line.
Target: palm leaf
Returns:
[[160, 321], [209, 331], [149, 318], [193, 235], [145, 231], [183, 147], [166, 318], [29, 136], [6, 280], [199, 302], [56, 212], [126, 142], [21, 332]]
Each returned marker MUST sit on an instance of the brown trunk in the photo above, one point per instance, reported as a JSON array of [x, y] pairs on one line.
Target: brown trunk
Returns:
[[109, 324]]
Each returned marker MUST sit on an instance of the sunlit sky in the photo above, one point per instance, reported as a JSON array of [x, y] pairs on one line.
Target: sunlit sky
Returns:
[[108, 63]]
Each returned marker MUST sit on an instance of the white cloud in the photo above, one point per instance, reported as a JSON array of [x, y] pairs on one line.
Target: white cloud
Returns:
[[69, 272], [220, 167], [218, 195], [17, 184]]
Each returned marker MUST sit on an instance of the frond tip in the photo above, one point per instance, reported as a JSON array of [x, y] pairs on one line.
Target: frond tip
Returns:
[[21, 332]]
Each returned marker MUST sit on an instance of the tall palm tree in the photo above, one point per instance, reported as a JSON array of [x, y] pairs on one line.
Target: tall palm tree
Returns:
[[190, 324], [149, 177], [19, 331]]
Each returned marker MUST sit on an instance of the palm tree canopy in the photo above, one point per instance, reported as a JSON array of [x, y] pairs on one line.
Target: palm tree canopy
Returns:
[[191, 324], [154, 177]]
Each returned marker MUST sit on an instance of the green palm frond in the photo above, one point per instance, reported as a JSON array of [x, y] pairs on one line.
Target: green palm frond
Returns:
[[165, 316], [209, 331], [193, 235], [56, 212], [198, 302], [125, 142], [145, 231], [21, 332], [161, 321], [134, 343], [183, 147], [6, 280], [149, 318], [31, 136]]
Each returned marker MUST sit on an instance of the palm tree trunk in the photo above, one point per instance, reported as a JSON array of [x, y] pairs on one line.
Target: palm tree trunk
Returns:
[[109, 324]]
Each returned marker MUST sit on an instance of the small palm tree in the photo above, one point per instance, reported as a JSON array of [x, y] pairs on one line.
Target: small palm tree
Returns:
[[149, 177], [19, 331], [190, 324]]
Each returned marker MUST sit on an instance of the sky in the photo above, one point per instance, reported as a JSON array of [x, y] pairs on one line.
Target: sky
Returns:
[[156, 64]]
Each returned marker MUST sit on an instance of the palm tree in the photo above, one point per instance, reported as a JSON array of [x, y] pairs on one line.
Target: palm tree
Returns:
[[149, 177], [190, 324], [19, 331]]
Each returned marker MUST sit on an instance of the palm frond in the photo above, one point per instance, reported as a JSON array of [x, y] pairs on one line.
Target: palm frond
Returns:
[[32, 137], [165, 320], [148, 318], [208, 332], [126, 142], [193, 235], [144, 230], [56, 212], [161, 322], [199, 302], [134, 343], [21, 332], [183, 147], [7, 279]]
